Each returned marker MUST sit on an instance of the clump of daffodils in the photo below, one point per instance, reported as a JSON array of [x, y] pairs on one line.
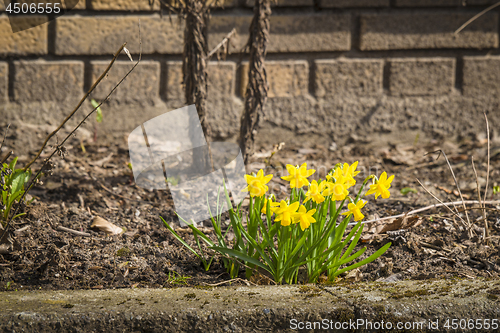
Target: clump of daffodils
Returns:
[[306, 224], [307, 229]]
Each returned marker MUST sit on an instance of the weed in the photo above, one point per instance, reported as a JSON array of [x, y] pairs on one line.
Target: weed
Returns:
[[177, 279]]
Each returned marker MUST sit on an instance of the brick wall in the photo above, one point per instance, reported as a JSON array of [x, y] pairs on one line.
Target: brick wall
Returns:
[[337, 69]]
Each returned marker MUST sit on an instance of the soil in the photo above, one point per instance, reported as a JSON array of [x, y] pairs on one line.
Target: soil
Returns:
[[98, 182]]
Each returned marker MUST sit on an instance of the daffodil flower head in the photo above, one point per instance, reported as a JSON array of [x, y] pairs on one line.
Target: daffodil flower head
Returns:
[[381, 187], [304, 217], [298, 175], [314, 192], [285, 213], [355, 210], [347, 171], [257, 184], [338, 189], [274, 205]]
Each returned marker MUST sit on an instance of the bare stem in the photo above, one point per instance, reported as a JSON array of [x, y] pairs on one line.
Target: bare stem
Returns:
[[76, 108], [486, 228], [423, 209], [441, 202], [475, 17], [469, 224], [224, 41], [59, 146]]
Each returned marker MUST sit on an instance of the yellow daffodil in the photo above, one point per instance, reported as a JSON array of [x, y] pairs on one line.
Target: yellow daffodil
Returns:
[[298, 176], [337, 190], [381, 187], [355, 209], [304, 217], [348, 171], [257, 184], [274, 206], [285, 213], [314, 192]]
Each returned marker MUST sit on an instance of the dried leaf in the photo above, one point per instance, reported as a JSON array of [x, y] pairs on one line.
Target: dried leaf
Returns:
[[128, 54], [354, 276], [108, 227], [381, 227]]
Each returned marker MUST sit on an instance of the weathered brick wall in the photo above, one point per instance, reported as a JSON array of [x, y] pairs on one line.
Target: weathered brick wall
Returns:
[[337, 69]]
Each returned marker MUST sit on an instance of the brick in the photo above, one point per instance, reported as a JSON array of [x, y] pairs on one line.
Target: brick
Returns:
[[4, 82], [41, 80], [481, 76], [80, 5], [221, 80], [65, 4], [335, 78], [427, 76], [289, 33], [103, 35], [353, 3], [143, 84], [285, 78], [128, 5], [428, 3], [287, 3], [30, 41], [427, 30], [139, 5]]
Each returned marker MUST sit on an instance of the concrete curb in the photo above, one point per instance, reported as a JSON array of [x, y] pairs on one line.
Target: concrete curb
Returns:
[[257, 309]]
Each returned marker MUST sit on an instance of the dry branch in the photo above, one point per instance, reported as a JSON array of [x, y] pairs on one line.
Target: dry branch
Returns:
[[423, 209], [475, 17], [224, 44], [59, 148], [256, 93], [194, 70]]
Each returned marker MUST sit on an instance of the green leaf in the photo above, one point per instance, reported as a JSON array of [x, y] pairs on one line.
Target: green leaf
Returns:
[[242, 256], [12, 164], [95, 104], [496, 189], [406, 190], [18, 179], [179, 238], [366, 261]]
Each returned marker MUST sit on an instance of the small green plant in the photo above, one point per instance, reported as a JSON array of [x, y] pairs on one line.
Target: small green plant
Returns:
[[12, 183], [231, 266], [496, 189], [303, 230], [406, 190], [98, 116], [177, 279], [173, 180]]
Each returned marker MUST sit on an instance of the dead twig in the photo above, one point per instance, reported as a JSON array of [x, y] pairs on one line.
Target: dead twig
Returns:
[[441, 202], [6, 157], [475, 17], [469, 224], [434, 247], [248, 283], [479, 196], [423, 209], [223, 44], [59, 147], [74, 232], [103, 75], [486, 229], [257, 87]]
